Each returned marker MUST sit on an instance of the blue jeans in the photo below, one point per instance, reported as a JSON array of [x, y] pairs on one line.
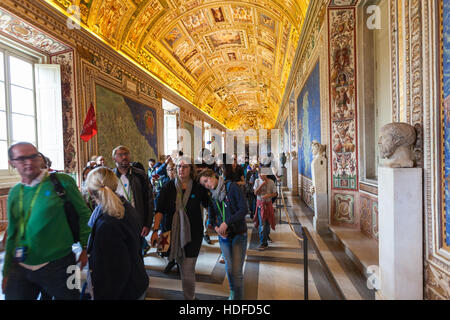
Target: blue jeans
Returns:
[[24, 284], [233, 251], [264, 230]]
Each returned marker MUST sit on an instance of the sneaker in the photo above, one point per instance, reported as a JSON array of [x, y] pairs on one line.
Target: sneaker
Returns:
[[222, 260], [269, 239], [207, 239], [262, 247]]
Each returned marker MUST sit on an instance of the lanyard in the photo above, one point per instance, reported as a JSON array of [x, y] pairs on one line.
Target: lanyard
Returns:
[[221, 212], [129, 195], [25, 216]]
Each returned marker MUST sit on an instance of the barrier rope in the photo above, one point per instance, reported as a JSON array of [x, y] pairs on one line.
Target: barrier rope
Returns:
[[288, 218]]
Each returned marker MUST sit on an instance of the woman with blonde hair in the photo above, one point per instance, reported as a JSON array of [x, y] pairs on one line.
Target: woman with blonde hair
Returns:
[[115, 262]]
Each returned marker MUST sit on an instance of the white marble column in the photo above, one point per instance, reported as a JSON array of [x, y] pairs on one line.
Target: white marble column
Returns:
[[400, 233]]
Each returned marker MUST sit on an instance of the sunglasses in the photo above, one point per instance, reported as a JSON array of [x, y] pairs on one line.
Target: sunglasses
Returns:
[[32, 157]]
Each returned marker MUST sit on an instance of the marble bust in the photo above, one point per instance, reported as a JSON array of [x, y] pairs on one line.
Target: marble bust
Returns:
[[395, 145], [318, 150], [318, 168]]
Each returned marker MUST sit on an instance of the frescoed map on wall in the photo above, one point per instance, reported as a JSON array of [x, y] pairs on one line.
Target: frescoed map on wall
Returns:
[[445, 122], [122, 121], [308, 113]]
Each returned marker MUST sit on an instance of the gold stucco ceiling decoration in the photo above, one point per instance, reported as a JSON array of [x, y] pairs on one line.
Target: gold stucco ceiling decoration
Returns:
[[231, 59]]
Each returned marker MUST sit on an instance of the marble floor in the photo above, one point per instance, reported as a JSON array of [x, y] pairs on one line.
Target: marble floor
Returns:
[[274, 274]]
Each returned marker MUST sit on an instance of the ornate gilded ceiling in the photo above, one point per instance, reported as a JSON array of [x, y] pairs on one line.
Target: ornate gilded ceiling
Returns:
[[229, 58]]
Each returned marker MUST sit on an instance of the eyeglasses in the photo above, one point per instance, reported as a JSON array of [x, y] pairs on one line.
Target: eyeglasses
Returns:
[[122, 154], [171, 169], [32, 157]]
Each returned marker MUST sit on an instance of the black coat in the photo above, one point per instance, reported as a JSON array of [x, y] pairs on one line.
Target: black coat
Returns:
[[142, 193], [115, 261], [166, 205]]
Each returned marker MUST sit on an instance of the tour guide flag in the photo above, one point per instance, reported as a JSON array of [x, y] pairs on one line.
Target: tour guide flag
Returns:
[[90, 125]]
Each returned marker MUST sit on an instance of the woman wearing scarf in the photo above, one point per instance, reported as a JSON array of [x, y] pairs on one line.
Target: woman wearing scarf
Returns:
[[179, 203], [228, 215]]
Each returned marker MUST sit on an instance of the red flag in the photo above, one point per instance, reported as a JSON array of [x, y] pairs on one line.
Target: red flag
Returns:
[[90, 125]]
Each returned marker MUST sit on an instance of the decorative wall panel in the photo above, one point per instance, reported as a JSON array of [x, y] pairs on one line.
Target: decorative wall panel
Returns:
[[66, 61], [17, 29], [343, 209], [304, 191], [368, 207], [445, 123], [343, 108]]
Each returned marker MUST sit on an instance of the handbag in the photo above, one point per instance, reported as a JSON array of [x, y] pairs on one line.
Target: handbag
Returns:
[[164, 243], [71, 214]]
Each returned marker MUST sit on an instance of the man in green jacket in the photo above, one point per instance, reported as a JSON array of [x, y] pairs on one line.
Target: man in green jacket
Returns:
[[39, 243]]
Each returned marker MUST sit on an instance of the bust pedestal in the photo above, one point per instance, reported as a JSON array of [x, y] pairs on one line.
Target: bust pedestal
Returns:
[[400, 233], [319, 180], [284, 173]]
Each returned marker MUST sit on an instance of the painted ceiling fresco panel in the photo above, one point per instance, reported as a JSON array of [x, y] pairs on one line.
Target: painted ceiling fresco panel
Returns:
[[213, 53], [242, 14], [196, 21], [111, 14], [225, 39], [173, 37], [218, 14], [142, 21]]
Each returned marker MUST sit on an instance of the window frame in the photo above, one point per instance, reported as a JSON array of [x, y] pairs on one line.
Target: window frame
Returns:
[[9, 49], [167, 150], [368, 107]]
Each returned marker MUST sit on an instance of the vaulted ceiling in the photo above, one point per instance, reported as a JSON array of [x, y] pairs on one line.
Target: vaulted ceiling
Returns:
[[230, 58]]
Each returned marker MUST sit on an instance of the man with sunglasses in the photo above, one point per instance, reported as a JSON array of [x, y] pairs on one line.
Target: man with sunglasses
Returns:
[[39, 243]]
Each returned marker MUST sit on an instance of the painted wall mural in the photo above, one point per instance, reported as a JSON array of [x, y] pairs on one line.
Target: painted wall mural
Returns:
[[445, 122], [122, 121], [308, 113], [66, 61], [369, 215], [343, 113], [344, 208]]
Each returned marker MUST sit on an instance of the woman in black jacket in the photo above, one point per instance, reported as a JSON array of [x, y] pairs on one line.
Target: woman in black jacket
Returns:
[[179, 202], [227, 215], [115, 261]]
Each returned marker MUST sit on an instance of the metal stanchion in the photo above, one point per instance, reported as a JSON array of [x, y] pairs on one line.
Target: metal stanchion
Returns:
[[300, 237], [279, 201], [305, 263]]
